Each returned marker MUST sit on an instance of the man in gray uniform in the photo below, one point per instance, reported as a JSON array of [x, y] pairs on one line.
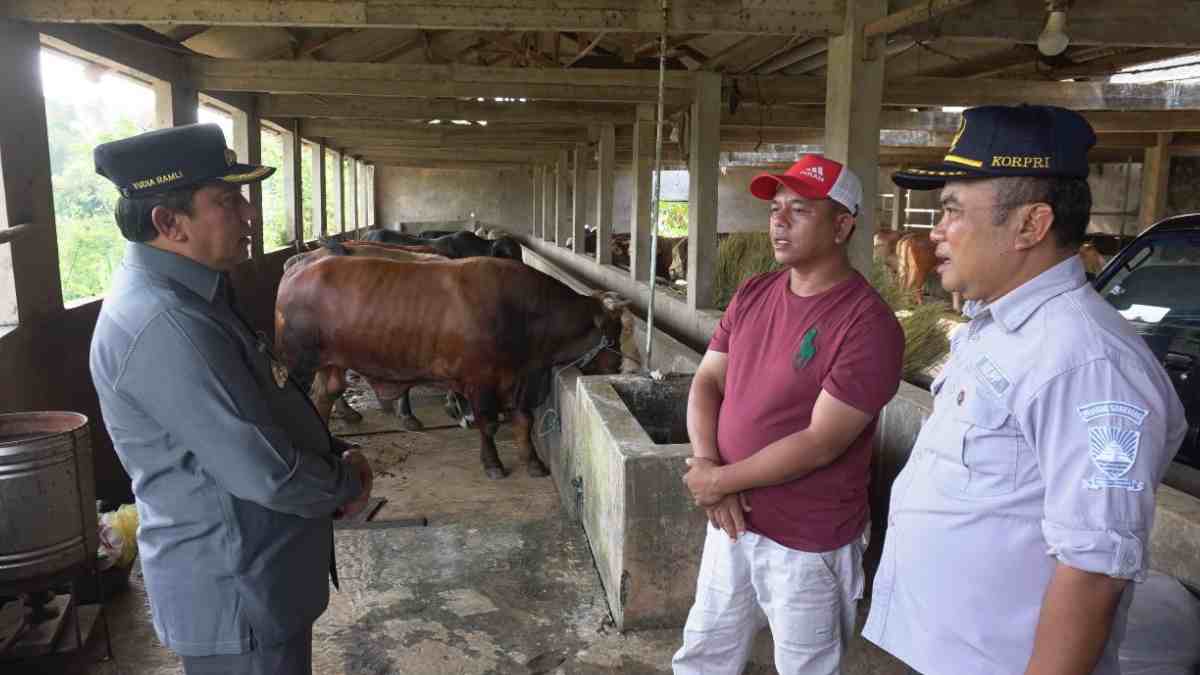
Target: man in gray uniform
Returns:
[[1026, 507], [234, 473]]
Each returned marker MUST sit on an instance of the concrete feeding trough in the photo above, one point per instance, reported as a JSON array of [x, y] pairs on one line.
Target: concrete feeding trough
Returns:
[[625, 462]]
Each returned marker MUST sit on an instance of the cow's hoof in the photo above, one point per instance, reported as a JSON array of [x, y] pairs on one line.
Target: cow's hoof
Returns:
[[495, 472], [538, 470], [411, 423]]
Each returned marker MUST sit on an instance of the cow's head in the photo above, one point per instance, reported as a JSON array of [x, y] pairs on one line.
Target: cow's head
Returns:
[[610, 320], [506, 247]]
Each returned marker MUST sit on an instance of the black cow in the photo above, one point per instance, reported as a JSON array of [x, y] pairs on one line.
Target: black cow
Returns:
[[461, 244]]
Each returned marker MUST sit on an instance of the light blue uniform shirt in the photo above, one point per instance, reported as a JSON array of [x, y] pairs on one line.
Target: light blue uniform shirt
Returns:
[[1052, 426], [233, 475]]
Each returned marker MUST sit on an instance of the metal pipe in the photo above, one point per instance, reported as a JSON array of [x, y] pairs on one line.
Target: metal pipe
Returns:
[[658, 143]]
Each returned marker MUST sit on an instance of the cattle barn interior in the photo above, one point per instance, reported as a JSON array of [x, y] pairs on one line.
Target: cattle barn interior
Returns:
[[535, 120]]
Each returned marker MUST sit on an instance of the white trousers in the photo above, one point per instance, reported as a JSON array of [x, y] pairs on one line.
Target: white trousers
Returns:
[[807, 599]]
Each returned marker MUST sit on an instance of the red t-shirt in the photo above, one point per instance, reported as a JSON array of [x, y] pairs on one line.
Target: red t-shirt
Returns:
[[783, 350]]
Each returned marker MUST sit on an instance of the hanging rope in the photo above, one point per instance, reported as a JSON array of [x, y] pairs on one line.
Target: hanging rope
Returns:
[[658, 143]]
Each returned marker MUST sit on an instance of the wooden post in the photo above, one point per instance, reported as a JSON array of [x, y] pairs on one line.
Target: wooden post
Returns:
[[247, 141], [562, 220], [1156, 172], [899, 203], [339, 193], [369, 194], [354, 192], [175, 105], [318, 159], [25, 190], [703, 174], [579, 189], [643, 187], [548, 193], [604, 193], [535, 211], [291, 182], [853, 102]]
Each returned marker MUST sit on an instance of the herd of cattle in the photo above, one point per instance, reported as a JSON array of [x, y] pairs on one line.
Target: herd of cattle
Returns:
[[463, 311], [910, 257], [458, 310]]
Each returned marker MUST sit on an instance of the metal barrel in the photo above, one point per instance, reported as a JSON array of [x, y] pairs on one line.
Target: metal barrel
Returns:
[[47, 496]]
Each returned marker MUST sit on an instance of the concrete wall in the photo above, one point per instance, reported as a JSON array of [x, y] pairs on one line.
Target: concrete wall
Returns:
[[500, 197]]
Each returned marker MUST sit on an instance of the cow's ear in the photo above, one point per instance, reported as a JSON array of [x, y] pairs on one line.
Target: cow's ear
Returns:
[[614, 303]]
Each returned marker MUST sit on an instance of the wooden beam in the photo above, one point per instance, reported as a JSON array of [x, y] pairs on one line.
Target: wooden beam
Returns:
[[1156, 173], [853, 102], [606, 135], [937, 91], [779, 17], [438, 133], [482, 155], [807, 50], [579, 196], [433, 81], [919, 13], [562, 207], [25, 189], [812, 117], [1161, 23], [452, 165], [703, 177], [389, 108], [1103, 66]]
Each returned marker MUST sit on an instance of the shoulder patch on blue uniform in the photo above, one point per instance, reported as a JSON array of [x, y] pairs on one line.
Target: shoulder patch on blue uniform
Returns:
[[1113, 451], [992, 374], [1113, 444], [1118, 409]]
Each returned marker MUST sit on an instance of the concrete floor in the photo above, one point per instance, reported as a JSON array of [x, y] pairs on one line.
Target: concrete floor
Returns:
[[500, 581]]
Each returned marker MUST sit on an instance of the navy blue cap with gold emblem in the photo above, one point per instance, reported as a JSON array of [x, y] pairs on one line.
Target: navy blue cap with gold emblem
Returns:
[[169, 159], [995, 141]]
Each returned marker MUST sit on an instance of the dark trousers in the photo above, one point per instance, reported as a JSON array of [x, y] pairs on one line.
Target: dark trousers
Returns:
[[293, 657]]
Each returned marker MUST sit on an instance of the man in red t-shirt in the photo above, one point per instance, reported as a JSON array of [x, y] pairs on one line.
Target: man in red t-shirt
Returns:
[[782, 418]]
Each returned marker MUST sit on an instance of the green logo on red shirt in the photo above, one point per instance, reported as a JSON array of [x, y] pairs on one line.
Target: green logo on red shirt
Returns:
[[807, 350]]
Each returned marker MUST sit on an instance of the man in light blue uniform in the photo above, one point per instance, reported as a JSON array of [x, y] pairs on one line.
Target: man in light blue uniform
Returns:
[[232, 468], [1026, 507]]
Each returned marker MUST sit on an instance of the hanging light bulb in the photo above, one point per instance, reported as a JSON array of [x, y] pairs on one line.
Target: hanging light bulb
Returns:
[[1053, 41]]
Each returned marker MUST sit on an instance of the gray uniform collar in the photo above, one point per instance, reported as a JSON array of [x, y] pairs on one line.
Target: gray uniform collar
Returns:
[[201, 280], [1013, 309]]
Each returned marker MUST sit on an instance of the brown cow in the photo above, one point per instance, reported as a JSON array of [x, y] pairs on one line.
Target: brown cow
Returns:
[[915, 258], [885, 248], [489, 329], [402, 253]]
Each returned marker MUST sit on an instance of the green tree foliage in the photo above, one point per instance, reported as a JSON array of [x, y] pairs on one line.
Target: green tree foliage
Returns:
[[332, 224], [673, 219], [277, 231], [89, 244]]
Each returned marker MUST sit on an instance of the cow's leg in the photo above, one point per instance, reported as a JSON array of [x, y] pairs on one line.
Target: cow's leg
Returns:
[[407, 419], [485, 405], [342, 406], [328, 385], [457, 408], [523, 430]]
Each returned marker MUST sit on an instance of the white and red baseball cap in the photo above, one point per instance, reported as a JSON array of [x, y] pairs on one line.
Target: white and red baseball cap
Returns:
[[813, 177]]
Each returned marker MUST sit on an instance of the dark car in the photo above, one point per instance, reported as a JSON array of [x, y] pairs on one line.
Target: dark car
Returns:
[[1155, 283]]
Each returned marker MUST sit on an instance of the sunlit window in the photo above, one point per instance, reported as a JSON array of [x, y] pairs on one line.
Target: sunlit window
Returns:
[[88, 104]]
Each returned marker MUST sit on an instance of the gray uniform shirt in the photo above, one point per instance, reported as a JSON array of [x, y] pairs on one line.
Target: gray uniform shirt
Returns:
[[1052, 426], [233, 475]]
